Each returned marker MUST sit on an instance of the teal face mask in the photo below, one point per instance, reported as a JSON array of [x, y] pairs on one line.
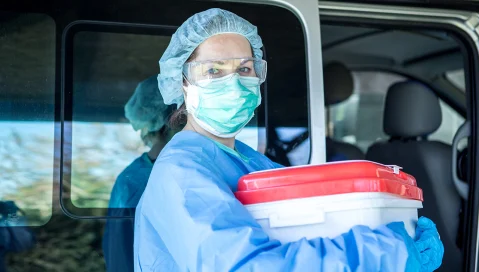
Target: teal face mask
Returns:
[[224, 105]]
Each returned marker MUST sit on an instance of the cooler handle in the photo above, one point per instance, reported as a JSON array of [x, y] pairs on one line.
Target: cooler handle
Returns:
[[295, 218], [464, 131]]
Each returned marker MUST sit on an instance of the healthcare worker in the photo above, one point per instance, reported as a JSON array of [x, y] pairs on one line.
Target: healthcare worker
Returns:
[[147, 113], [188, 218]]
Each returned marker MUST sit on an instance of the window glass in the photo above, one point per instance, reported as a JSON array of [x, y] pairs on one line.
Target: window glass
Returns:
[[359, 120], [100, 151], [27, 127], [301, 153], [456, 77], [107, 67], [451, 121]]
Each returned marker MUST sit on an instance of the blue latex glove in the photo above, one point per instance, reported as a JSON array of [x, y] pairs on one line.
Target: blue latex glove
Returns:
[[426, 253], [429, 245]]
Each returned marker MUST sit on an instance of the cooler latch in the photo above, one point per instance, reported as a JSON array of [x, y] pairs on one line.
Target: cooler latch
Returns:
[[395, 168]]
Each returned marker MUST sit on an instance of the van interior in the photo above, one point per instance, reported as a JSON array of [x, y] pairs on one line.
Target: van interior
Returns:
[[394, 95]]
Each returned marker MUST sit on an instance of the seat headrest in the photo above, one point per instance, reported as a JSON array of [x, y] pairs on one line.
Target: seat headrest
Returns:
[[338, 83], [411, 110]]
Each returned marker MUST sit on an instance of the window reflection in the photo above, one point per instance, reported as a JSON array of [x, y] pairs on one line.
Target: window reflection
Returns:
[[27, 93]]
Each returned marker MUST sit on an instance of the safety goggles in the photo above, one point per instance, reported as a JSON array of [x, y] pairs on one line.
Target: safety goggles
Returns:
[[202, 73]]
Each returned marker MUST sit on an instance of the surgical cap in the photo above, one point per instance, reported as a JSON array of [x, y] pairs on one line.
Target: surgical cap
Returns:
[[189, 36], [146, 110]]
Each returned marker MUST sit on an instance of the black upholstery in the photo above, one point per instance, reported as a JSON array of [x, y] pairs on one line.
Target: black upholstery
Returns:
[[338, 87], [412, 112], [339, 150], [338, 83]]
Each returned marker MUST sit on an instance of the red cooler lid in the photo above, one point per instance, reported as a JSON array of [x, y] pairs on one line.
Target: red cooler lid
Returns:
[[326, 179]]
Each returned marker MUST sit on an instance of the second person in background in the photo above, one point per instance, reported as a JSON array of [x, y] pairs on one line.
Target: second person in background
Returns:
[[148, 114]]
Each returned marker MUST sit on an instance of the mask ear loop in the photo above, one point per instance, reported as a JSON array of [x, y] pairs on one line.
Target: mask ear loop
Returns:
[[189, 83], [185, 78]]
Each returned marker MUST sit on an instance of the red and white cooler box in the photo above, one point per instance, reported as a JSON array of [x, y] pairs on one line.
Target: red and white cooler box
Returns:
[[329, 199]]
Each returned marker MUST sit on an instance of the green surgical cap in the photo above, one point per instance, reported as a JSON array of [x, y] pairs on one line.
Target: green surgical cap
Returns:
[[146, 110]]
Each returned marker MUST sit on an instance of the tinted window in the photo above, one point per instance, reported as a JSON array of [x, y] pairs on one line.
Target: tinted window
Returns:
[[27, 127], [296, 142], [107, 67]]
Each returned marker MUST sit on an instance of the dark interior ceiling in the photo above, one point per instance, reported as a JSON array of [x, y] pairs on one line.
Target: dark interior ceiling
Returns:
[[390, 47]]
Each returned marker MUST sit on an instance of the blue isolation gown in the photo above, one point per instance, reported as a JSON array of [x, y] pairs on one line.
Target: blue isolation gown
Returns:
[[188, 219]]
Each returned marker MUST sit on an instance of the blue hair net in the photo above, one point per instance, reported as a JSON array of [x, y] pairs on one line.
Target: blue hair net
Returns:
[[146, 110], [189, 36]]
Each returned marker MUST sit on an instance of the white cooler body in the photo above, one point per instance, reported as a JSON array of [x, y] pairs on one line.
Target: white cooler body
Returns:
[[333, 215]]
